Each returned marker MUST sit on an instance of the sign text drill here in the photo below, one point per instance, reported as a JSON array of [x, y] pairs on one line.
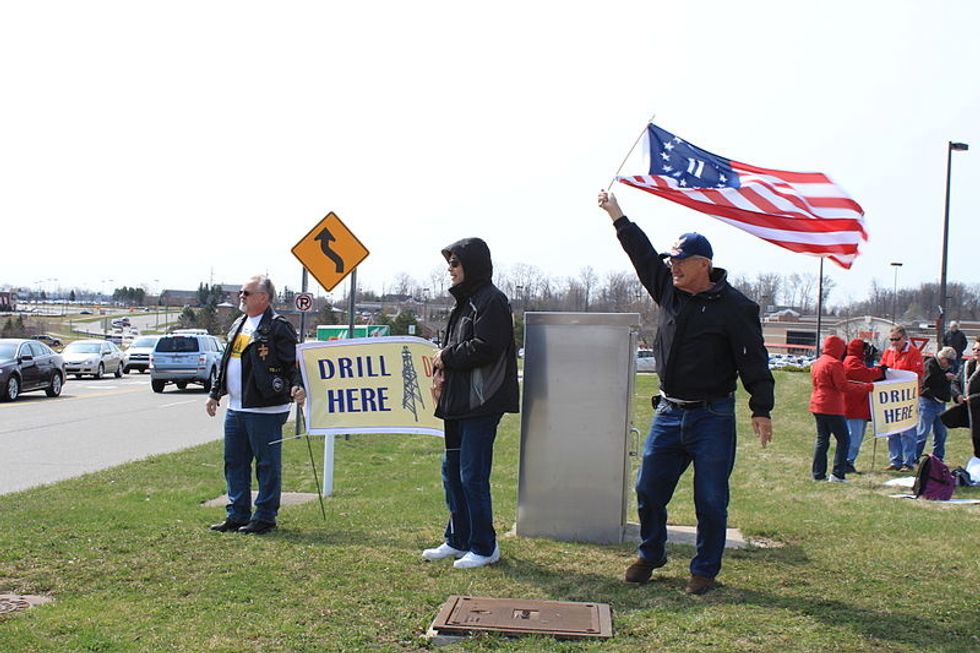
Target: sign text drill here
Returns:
[[899, 413], [364, 399]]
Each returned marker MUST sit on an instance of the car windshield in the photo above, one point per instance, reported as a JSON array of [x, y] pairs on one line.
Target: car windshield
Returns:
[[143, 342], [7, 351], [177, 344], [83, 348]]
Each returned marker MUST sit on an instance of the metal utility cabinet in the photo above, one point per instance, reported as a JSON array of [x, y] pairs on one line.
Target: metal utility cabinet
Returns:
[[575, 425]]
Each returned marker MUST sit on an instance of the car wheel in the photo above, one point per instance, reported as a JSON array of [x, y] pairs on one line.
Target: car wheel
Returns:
[[125, 370], [209, 382], [12, 390], [157, 385], [119, 371], [180, 384], [57, 384], [99, 372]]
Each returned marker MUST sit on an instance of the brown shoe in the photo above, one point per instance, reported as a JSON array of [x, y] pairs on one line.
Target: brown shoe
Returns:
[[892, 468], [699, 584], [641, 570]]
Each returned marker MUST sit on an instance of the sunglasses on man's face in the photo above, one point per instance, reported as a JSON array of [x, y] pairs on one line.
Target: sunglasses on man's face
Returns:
[[454, 263], [246, 293], [897, 339]]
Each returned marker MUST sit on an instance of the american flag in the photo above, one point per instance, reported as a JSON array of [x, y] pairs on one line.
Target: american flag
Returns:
[[802, 211]]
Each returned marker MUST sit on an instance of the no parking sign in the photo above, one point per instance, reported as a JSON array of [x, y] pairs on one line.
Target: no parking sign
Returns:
[[303, 301]]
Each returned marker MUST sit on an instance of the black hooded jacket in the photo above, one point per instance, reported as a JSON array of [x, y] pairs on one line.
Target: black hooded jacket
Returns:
[[479, 355], [704, 341]]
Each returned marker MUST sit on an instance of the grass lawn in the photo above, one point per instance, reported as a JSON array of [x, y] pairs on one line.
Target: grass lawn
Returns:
[[132, 567]]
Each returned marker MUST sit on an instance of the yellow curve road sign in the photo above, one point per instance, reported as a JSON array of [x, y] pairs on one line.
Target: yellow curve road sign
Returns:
[[330, 251]]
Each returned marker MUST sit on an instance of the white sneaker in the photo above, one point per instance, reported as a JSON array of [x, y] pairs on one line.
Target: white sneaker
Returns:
[[836, 479], [442, 551], [471, 560]]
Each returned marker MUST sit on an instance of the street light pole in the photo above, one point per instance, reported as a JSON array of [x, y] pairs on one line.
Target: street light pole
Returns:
[[896, 265], [940, 322]]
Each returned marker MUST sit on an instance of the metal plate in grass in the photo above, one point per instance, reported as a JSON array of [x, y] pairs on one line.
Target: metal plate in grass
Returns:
[[19, 603], [462, 615]]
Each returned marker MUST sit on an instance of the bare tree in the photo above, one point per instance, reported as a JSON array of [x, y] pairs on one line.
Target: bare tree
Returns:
[[589, 281]]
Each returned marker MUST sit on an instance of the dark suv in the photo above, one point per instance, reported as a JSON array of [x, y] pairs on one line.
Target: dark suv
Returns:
[[185, 356]]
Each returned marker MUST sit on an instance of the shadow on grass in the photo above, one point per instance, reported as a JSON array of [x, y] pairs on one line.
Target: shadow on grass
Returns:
[[665, 591]]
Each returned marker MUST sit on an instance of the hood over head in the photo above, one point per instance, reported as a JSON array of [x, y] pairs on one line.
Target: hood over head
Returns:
[[856, 348], [834, 346], [474, 254]]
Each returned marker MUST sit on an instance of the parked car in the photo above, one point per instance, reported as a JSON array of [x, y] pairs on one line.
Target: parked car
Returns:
[[95, 357], [85, 311], [137, 356], [27, 365], [185, 356], [645, 361], [120, 322], [50, 341]]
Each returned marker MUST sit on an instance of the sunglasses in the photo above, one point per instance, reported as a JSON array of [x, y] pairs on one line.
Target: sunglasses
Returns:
[[897, 339], [246, 293], [454, 263]]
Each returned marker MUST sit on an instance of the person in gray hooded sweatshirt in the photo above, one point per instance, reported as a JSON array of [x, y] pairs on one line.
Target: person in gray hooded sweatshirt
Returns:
[[479, 366]]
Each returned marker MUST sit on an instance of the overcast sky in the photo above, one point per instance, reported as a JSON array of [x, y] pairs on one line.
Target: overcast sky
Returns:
[[165, 144]]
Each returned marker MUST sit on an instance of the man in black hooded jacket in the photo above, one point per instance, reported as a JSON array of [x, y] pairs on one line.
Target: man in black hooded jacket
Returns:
[[479, 363], [708, 335]]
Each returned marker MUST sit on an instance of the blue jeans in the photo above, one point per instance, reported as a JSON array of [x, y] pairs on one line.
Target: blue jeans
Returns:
[[247, 436], [901, 448], [678, 437], [466, 480], [827, 425], [855, 429], [929, 411]]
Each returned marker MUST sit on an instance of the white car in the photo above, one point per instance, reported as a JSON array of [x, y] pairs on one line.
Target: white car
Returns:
[[137, 356], [645, 361], [95, 357]]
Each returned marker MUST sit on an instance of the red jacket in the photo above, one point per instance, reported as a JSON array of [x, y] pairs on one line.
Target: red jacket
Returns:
[[856, 404], [909, 359], [830, 384]]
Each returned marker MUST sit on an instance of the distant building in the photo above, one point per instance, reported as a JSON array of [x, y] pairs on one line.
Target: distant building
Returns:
[[179, 298], [8, 301]]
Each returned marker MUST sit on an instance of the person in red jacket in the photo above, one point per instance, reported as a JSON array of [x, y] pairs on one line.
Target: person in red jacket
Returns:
[[902, 355], [830, 385], [857, 409]]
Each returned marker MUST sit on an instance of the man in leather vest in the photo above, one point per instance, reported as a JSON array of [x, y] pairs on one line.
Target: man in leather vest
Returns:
[[258, 373]]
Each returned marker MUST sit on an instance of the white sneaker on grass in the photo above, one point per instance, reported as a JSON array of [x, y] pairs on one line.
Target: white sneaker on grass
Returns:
[[836, 479], [472, 560], [442, 551]]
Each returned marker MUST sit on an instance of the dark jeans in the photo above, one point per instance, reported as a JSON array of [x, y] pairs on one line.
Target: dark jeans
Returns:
[[678, 437], [247, 436], [827, 425], [466, 479]]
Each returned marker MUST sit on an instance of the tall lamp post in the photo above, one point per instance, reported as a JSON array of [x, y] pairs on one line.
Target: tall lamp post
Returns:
[[941, 321], [896, 265]]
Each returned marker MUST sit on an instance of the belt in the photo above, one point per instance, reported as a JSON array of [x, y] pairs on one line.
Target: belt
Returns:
[[685, 403]]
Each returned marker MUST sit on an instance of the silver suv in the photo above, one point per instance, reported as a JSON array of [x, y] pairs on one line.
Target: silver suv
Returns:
[[185, 356]]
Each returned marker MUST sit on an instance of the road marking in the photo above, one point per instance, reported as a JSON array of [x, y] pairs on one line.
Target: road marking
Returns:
[[179, 403]]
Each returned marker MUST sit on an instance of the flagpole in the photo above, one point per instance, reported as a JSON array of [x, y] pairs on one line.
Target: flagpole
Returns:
[[816, 350], [626, 158]]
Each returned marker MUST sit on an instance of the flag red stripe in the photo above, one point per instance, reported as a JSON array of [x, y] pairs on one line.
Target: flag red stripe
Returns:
[[724, 207], [792, 177]]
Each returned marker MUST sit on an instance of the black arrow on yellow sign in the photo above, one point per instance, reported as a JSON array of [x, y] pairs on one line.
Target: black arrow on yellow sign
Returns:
[[325, 238]]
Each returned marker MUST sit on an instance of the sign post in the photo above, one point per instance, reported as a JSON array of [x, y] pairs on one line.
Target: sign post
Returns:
[[330, 251]]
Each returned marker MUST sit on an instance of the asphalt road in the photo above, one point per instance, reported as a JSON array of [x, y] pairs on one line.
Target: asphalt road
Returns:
[[97, 424]]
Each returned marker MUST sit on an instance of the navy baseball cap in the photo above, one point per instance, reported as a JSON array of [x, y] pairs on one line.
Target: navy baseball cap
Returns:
[[690, 244]]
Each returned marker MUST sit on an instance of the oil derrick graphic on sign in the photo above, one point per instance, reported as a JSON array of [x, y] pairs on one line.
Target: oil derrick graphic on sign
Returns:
[[410, 382]]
